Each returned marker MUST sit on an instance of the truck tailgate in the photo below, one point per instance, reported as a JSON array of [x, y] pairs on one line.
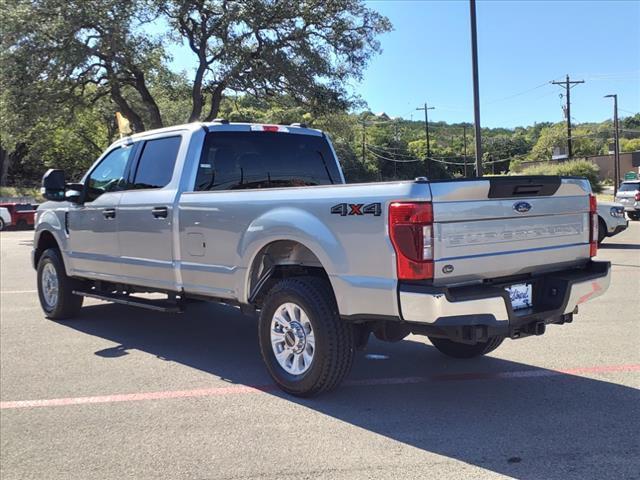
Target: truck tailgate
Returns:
[[502, 227]]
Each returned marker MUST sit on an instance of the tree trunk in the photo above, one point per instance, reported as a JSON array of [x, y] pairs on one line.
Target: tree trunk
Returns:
[[148, 100], [134, 119], [196, 93], [216, 99], [5, 163]]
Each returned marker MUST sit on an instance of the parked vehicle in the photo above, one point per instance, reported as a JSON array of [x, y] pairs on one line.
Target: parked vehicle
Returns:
[[259, 216], [5, 218], [629, 197], [611, 220], [22, 214]]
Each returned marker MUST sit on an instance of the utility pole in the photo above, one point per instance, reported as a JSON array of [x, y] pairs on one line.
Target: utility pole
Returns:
[[464, 136], [364, 124], [568, 85], [616, 141], [476, 86], [426, 128]]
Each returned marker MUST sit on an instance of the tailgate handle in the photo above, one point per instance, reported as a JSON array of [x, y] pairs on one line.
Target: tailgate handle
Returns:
[[527, 189], [160, 212]]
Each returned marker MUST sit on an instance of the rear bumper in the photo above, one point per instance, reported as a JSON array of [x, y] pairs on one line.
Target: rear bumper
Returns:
[[475, 312]]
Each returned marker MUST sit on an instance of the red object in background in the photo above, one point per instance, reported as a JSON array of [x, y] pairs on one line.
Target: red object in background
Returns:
[[22, 214]]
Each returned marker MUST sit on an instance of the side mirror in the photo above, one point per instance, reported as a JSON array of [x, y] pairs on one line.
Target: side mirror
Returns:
[[74, 192], [53, 185]]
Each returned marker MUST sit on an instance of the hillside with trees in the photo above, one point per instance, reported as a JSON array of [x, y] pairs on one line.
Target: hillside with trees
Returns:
[[67, 66]]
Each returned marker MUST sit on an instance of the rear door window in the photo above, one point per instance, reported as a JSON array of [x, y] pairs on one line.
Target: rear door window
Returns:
[[244, 160], [156, 163]]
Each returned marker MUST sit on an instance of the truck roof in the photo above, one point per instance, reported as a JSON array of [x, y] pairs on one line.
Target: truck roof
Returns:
[[223, 125]]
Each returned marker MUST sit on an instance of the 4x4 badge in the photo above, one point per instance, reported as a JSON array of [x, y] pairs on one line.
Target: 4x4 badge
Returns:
[[344, 209]]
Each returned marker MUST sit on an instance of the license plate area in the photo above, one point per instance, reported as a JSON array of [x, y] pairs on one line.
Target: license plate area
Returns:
[[521, 295]]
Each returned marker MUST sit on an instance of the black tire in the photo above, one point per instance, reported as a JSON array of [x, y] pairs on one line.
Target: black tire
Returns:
[[464, 350], [334, 338], [67, 304], [1, 224], [634, 215], [602, 230]]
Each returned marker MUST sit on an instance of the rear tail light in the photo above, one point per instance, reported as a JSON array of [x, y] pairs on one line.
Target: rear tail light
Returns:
[[593, 226], [637, 197], [411, 233]]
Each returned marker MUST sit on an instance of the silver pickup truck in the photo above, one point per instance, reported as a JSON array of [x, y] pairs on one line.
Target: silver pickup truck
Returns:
[[260, 217]]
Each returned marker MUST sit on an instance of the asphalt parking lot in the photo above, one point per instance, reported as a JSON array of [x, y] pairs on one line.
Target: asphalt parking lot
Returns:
[[128, 393]]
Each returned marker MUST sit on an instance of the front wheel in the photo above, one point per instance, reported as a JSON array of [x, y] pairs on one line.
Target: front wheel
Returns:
[[55, 288], [306, 346], [1, 224], [465, 350]]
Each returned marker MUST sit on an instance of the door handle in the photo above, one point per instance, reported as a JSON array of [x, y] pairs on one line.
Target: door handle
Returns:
[[160, 212], [109, 213]]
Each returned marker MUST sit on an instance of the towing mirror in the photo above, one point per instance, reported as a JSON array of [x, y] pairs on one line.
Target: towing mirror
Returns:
[[55, 188], [53, 185]]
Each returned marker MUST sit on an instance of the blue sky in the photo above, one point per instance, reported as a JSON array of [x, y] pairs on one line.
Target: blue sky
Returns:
[[522, 46]]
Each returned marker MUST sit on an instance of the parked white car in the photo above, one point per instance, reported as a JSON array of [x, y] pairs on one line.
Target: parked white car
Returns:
[[611, 220], [5, 218], [629, 197]]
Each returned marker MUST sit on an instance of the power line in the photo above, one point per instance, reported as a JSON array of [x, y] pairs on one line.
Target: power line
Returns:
[[517, 94]]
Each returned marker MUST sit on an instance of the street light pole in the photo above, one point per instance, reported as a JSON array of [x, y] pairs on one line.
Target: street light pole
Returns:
[[616, 142], [476, 87]]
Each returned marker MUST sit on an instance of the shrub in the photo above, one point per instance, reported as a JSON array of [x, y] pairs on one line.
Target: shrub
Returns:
[[573, 168]]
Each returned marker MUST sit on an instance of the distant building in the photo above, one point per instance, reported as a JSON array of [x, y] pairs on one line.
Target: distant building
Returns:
[[629, 161]]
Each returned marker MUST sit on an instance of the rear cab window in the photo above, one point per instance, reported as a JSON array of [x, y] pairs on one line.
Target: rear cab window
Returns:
[[256, 159]]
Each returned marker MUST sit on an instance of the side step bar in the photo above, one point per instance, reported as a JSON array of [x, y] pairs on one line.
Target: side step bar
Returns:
[[166, 306]]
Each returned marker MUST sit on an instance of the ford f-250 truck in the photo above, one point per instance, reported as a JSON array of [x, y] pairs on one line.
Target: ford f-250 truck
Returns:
[[260, 217]]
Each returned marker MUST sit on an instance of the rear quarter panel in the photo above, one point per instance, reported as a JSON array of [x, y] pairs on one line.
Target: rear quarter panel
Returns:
[[355, 250]]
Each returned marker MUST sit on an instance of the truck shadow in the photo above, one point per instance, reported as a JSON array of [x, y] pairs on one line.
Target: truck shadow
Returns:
[[619, 246], [540, 425]]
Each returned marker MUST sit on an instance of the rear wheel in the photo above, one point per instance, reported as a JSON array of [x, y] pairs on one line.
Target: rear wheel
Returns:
[[634, 215], [55, 288], [306, 346], [465, 350], [1, 224]]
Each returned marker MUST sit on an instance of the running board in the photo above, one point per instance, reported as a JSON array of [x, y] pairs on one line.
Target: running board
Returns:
[[157, 305]]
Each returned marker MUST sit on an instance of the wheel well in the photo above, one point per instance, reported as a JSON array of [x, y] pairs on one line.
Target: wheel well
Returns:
[[45, 241], [281, 259]]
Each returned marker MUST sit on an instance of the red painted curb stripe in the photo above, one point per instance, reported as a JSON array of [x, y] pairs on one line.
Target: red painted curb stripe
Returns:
[[244, 389]]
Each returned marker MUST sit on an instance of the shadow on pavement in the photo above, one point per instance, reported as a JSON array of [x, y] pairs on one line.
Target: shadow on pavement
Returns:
[[619, 246], [542, 427]]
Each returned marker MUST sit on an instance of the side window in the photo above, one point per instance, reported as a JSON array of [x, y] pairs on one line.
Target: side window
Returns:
[[109, 175], [156, 164]]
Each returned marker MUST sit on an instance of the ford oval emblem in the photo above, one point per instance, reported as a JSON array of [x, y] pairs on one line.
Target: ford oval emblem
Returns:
[[522, 207]]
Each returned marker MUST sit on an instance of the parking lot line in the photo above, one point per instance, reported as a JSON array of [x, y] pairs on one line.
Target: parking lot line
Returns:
[[245, 389], [17, 291]]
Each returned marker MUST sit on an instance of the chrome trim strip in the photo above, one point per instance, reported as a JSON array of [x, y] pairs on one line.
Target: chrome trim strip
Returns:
[[444, 259]]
